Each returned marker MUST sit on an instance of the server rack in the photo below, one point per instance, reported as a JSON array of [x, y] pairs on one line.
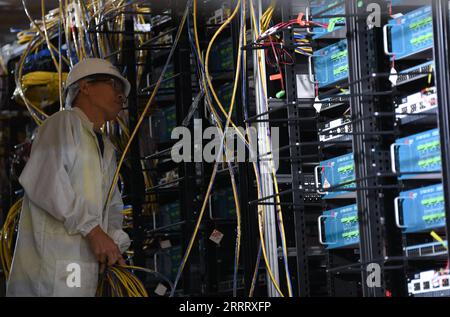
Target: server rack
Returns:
[[375, 126]]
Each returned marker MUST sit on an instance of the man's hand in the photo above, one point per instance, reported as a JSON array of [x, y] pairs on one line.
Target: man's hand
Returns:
[[104, 248]]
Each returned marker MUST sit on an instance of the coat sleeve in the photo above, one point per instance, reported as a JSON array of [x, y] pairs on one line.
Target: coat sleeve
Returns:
[[45, 177], [115, 219]]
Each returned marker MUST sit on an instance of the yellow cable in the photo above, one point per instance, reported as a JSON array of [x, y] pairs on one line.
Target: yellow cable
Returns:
[[6, 236], [260, 207], [60, 29], [39, 78], [274, 178], [233, 182], [208, 192], [121, 279], [37, 28], [124, 127], [138, 124], [3, 66], [430, 75], [267, 17], [215, 167], [113, 286], [439, 239], [18, 75], [131, 290], [273, 173], [47, 39]]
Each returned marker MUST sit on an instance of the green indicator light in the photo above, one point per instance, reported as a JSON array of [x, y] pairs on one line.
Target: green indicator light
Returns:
[[281, 94], [332, 4], [428, 146], [420, 23], [333, 22], [430, 161], [346, 168], [339, 55], [421, 39], [432, 201], [433, 217], [340, 70], [351, 185], [349, 219], [351, 234]]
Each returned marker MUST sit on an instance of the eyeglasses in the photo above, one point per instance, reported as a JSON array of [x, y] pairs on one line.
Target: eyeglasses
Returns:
[[114, 82]]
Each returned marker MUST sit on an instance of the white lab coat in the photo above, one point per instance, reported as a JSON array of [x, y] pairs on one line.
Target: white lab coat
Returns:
[[66, 182]]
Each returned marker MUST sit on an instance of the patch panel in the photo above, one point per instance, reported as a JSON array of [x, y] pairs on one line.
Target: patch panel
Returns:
[[411, 33], [219, 16], [341, 227], [227, 285], [417, 153], [169, 177], [336, 129], [420, 102], [163, 121], [331, 64], [224, 93], [309, 187], [158, 20], [426, 249], [414, 73], [335, 172], [169, 261], [223, 205], [321, 8], [168, 82], [430, 284], [335, 101], [168, 214], [164, 40], [422, 209], [222, 56]]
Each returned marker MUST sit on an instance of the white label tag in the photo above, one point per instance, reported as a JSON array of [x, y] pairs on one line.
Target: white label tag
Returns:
[[143, 27], [165, 244], [216, 236], [317, 104], [394, 76], [326, 184], [160, 290]]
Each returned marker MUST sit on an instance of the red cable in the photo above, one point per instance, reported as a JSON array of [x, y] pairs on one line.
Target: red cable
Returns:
[[278, 62]]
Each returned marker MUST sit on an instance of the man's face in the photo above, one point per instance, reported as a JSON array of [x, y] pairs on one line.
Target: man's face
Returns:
[[108, 95]]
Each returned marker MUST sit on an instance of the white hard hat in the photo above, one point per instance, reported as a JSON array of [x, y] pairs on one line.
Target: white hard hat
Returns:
[[94, 66]]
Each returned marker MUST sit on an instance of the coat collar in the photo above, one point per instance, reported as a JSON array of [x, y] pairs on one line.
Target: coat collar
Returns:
[[109, 147], [86, 122]]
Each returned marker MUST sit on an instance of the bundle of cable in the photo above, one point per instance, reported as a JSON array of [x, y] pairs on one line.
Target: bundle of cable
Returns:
[[6, 238], [118, 281], [41, 88]]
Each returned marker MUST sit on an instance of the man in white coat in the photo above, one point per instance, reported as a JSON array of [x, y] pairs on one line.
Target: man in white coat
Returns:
[[66, 232]]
